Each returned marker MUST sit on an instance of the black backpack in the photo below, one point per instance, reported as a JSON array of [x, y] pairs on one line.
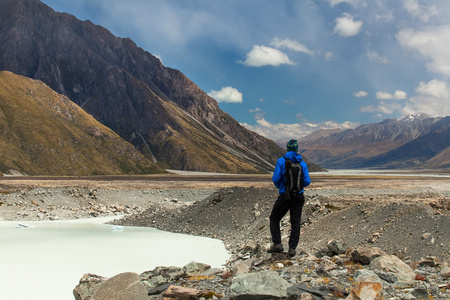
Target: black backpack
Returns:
[[294, 179]]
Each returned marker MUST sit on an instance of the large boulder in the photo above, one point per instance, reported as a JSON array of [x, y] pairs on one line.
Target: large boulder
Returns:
[[393, 264], [124, 286], [262, 285]]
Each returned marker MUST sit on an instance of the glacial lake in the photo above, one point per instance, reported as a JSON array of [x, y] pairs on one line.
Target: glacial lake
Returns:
[[46, 259]]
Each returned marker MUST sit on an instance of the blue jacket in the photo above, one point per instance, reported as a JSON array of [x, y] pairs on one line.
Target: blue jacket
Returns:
[[279, 173]]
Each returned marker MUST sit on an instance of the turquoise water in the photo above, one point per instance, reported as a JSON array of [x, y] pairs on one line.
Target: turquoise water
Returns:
[[46, 259]]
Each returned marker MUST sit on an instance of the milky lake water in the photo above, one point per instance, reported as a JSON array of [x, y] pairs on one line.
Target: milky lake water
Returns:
[[46, 259]]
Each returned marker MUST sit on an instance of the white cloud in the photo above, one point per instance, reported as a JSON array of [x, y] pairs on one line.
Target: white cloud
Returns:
[[291, 45], [346, 26], [258, 113], [226, 94], [398, 95], [255, 110], [433, 44], [373, 56], [266, 56], [286, 131], [432, 98], [360, 94], [383, 108], [423, 12]]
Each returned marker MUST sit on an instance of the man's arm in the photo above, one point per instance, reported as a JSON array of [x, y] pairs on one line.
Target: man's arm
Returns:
[[278, 174], [306, 178]]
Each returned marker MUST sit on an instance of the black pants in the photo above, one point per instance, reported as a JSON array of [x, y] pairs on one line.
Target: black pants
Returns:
[[279, 210]]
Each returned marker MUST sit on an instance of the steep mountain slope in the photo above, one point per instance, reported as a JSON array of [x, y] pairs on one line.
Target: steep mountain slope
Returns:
[[357, 148], [169, 118], [44, 133]]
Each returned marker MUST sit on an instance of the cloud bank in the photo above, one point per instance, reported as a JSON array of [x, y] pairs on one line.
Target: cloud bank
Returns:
[[282, 131]]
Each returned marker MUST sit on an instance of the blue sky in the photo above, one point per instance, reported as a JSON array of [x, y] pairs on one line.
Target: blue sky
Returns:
[[285, 68]]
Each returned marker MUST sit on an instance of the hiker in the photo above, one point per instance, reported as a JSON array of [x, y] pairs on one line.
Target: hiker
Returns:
[[290, 177]]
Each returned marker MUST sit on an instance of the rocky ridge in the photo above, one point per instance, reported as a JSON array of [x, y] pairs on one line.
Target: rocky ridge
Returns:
[[361, 273], [418, 141]]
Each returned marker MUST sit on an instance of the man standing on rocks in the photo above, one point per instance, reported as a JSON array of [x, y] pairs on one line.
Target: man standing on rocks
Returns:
[[290, 197]]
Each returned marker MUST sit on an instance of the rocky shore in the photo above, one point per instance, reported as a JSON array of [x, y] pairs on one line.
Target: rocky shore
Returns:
[[356, 238]]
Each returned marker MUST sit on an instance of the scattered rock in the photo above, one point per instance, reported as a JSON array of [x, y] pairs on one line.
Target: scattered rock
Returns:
[[364, 255], [366, 291], [337, 246], [178, 292], [87, 285], [124, 286], [301, 289], [445, 271], [392, 264], [195, 268], [431, 261], [266, 284]]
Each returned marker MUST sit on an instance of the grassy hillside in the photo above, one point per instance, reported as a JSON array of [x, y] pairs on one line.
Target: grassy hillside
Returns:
[[44, 133]]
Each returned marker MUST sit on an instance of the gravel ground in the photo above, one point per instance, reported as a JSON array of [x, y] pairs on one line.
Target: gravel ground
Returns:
[[407, 216]]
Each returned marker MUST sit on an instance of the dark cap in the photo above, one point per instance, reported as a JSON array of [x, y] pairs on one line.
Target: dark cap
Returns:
[[292, 145]]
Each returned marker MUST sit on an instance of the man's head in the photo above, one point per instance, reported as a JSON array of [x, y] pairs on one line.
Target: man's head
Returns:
[[292, 145]]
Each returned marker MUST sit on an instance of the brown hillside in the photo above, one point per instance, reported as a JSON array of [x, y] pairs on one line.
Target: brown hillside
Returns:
[[44, 133]]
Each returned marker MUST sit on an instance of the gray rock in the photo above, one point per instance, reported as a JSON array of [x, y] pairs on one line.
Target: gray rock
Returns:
[[195, 268], [420, 293], [87, 285], [239, 268], [159, 289], [392, 264], [364, 255], [366, 276], [262, 285], [430, 261], [124, 286], [161, 275], [324, 252], [298, 290], [337, 246], [386, 276], [325, 267], [445, 271], [291, 271]]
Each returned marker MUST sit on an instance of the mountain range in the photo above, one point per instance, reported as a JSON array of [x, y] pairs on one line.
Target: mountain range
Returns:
[[158, 109], [418, 141]]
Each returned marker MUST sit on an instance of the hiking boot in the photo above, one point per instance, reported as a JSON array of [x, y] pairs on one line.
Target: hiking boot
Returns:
[[291, 252], [276, 248]]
